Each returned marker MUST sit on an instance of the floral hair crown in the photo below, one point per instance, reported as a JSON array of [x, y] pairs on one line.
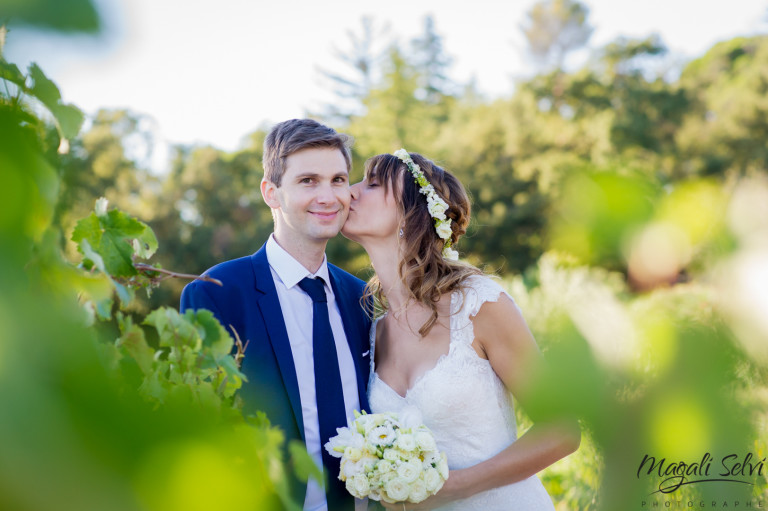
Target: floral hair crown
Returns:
[[436, 205]]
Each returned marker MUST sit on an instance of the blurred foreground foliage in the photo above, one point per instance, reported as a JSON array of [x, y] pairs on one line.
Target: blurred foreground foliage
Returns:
[[627, 213], [103, 409]]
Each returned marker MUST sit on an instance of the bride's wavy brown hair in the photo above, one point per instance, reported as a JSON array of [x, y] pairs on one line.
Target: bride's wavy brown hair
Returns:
[[426, 274]]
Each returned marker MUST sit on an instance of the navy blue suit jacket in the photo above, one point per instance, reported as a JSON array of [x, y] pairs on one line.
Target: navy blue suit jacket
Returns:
[[248, 302]]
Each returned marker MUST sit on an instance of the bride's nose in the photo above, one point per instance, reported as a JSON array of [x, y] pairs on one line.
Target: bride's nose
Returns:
[[354, 190]]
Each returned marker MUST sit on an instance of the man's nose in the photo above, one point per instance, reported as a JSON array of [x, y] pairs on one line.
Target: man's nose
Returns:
[[326, 193]]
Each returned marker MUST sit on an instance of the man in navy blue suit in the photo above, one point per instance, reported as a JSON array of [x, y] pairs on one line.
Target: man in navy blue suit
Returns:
[[293, 307]]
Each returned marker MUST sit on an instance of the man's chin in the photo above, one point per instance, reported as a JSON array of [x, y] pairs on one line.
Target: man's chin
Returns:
[[327, 232]]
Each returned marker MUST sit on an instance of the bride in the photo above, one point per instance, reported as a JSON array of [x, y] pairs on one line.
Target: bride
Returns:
[[451, 342]]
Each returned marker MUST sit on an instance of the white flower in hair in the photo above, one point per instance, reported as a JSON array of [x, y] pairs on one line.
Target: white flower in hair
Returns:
[[443, 229], [450, 254], [435, 204]]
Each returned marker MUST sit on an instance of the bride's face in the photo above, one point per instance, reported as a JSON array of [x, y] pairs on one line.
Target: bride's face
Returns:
[[372, 212]]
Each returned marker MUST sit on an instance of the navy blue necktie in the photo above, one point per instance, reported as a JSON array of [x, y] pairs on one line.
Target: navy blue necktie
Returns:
[[328, 391]]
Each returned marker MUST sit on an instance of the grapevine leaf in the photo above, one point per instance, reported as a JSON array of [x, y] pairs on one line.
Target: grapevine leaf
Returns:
[[70, 119], [135, 344], [174, 329], [230, 367], [125, 294], [303, 464], [92, 259], [111, 235], [153, 386], [42, 87], [103, 309], [213, 334], [11, 73]]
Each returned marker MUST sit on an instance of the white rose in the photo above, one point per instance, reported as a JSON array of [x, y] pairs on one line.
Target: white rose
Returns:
[[418, 491], [425, 441], [368, 462], [353, 453], [401, 153], [432, 480], [374, 494], [384, 466], [426, 190], [351, 469], [396, 490], [442, 466], [391, 455], [409, 471], [360, 486], [450, 254], [443, 229], [406, 442]]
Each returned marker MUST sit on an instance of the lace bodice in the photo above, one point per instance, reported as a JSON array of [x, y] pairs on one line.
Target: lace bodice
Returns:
[[465, 404]]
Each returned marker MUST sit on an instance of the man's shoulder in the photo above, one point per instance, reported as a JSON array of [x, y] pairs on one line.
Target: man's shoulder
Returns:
[[233, 273], [233, 266]]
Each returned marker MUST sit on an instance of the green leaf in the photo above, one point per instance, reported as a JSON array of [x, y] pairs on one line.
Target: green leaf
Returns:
[[125, 294], [104, 309], [174, 329], [133, 342], [154, 385], [111, 236], [70, 119], [43, 88], [11, 73], [303, 464], [213, 334], [92, 259], [230, 367]]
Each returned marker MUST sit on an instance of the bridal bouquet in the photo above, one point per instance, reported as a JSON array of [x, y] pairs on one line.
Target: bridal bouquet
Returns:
[[389, 458]]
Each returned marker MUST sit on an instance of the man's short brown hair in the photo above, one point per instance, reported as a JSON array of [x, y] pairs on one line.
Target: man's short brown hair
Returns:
[[291, 136]]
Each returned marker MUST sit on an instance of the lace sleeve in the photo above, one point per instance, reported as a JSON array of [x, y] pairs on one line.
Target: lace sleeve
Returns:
[[466, 303]]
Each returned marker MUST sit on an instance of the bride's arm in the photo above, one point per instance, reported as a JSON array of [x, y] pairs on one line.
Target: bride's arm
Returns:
[[503, 337]]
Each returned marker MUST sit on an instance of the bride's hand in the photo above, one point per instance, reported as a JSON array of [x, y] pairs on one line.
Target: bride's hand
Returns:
[[448, 493]]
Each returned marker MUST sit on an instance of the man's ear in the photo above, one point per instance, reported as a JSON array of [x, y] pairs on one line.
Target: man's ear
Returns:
[[269, 193]]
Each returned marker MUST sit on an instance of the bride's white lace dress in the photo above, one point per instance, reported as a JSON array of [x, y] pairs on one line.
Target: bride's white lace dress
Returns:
[[466, 405]]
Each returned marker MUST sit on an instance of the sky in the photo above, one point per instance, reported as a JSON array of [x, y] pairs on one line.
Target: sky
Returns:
[[211, 71]]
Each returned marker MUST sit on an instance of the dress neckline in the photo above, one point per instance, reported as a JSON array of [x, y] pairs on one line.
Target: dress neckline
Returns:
[[421, 377], [426, 373]]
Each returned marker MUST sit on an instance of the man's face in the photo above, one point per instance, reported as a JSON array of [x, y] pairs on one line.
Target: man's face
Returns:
[[312, 202]]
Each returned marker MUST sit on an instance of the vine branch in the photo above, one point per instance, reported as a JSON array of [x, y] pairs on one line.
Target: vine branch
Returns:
[[191, 276]]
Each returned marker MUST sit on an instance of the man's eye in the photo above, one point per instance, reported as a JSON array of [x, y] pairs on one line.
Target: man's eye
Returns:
[[306, 180], [340, 180]]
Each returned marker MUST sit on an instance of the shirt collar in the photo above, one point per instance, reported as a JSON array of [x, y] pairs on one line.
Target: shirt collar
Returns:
[[289, 269]]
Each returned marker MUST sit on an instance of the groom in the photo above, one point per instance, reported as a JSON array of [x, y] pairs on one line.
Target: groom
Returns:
[[307, 359]]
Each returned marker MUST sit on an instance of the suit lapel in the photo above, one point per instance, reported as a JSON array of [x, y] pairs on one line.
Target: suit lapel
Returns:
[[354, 330], [269, 307]]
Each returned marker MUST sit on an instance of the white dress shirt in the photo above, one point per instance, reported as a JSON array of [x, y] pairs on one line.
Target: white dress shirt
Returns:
[[296, 305]]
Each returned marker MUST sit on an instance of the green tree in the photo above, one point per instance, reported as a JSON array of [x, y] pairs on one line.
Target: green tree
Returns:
[[97, 164], [432, 63], [725, 129], [361, 67], [554, 28]]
